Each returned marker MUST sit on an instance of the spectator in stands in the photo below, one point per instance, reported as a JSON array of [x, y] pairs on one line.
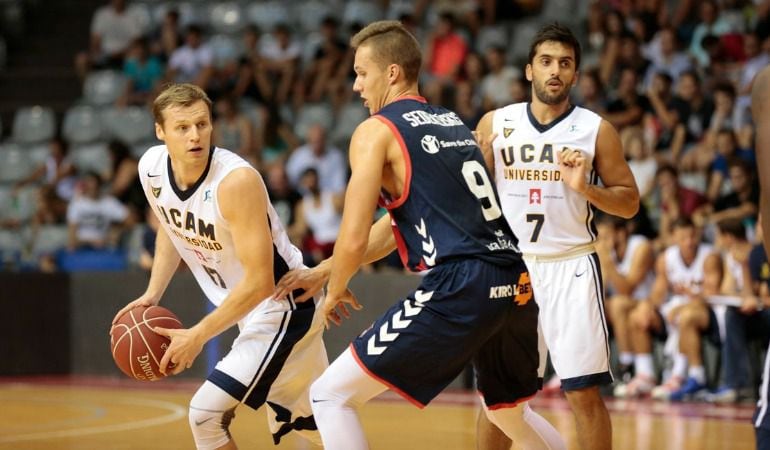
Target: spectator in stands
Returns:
[[144, 72], [92, 216], [627, 269], [627, 106], [711, 23], [168, 37], [123, 181], [283, 197], [317, 80], [466, 106], [676, 201], [665, 56], [755, 59], [445, 51], [496, 84], [328, 161], [742, 203], [233, 130], [113, 29], [726, 149], [251, 82], [640, 160], [590, 92], [149, 232], [745, 274], [317, 219], [275, 139], [693, 109], [662, 121], [279, 57], [192, 62], [57, 174]]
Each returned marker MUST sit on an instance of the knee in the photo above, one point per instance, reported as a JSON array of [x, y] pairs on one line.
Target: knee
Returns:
[[585, 400], [690, 316], [210, 428]]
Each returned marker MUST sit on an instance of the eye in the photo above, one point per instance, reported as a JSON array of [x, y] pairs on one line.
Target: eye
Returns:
[[182, 128]]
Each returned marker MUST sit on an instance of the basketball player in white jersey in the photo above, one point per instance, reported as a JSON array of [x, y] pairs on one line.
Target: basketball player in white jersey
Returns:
[[627, 262], [682, 272], [216, 216], [547, 157]]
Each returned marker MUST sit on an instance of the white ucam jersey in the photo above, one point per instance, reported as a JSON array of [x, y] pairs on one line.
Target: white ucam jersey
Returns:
[[193, 221], [547, 216], [680, 274], [642, 290]]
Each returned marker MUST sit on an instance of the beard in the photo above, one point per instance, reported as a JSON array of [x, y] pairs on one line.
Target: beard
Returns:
[[551, 99]]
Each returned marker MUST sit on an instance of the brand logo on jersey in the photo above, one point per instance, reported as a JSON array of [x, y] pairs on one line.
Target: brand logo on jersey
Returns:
[[430, 144], [573, 128], [507, 131], [207, 195], [521, 291], [535, 197], [156, 192]]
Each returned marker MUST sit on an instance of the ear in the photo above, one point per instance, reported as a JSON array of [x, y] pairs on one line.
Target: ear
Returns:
[[575, 78], [528, 72], [393, 72], [159, 132]]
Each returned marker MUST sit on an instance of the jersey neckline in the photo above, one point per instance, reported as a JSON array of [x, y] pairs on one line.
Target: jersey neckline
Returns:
[[187, 193], [543, 128]]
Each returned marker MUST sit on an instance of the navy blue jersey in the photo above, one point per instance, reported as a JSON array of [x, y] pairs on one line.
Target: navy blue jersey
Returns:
[[449, 207]]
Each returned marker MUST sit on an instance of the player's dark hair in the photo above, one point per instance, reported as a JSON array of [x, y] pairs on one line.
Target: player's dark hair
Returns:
[[683, 222], [555, 32], [732, 227]]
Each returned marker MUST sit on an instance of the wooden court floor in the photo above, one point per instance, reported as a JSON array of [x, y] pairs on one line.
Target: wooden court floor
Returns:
[[80, 413]]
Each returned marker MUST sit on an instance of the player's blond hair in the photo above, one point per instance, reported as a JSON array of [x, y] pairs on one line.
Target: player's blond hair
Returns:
[[391, 43], [178, 94]]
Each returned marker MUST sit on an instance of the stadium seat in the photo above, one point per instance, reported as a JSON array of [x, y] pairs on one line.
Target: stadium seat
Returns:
[[227, 17], [523, 33], [492, 36], [348, 119], [15, 163], [143, 15], [226, 49], [131, 124], [20, 207], [361, 12], [49, 240], [103, 87], [310, 114], [82, 125], [267, 15], [91, 157], [33, 124], [37, 153], [397, 8], [311, 13], [138, 149], [189, 13]]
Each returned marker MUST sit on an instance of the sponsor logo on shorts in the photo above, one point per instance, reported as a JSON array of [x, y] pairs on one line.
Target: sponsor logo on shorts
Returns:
[[521, 292]]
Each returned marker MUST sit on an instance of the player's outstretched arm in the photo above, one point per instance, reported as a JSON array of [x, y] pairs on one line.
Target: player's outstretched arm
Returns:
[[618, 195], [760, 110], [164, 265], [242, 200], [368, 157]]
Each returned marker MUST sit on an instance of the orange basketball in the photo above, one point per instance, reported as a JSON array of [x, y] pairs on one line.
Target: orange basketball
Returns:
[[136, 349]]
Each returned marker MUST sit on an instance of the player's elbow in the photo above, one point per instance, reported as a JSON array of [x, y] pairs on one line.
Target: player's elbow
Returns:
[[630, 205]]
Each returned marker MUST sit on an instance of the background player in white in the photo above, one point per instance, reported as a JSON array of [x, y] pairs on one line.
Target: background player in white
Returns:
[[560, 151], [215, 214]]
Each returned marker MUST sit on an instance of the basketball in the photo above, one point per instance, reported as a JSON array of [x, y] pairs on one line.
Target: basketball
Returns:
[[136, 348]]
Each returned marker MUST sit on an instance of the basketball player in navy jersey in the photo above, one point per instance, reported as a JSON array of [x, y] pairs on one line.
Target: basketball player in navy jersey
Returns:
[[215, 214], [760, 109], [425, 168], [547, 157]]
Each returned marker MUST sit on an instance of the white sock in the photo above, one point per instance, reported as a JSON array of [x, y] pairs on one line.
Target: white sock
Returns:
[[335, 398], [680, 366], [526, 428], [698, 373], [626, 358], [643, 365]]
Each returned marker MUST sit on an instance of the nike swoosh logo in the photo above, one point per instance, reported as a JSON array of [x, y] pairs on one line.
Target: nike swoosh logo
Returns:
[[152, 176], [577, 275], [199, 423], [318, 401]]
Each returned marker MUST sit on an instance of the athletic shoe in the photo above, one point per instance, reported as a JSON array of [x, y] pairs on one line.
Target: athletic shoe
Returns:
[[690, 388], [625, 373], [663, 392], [723, 394], [639, 386]]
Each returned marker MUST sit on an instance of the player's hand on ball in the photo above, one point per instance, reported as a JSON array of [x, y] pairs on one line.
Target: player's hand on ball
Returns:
[[311, 280], [185, 347], [336, 308], [144, 300]]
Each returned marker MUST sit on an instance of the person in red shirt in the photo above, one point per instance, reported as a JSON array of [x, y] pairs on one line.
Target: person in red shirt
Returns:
[[444, 56]]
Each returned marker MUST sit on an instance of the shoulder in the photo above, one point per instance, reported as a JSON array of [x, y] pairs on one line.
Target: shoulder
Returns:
[[375, 129], [240, 188], [151, 156]]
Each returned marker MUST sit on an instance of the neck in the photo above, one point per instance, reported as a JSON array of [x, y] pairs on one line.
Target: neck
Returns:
[[545, 113], [396, 92], [186, 174]]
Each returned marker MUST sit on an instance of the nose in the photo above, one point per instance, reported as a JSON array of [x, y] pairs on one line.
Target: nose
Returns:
[[357, 86], [194, 134]]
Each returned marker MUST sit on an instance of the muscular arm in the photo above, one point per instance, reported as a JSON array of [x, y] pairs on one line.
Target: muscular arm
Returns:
[[641, 263], [712, 274], [368, 156], [619, 195], [164, 265], [243, 202], [660, 286], [483, 132], [760, 109]]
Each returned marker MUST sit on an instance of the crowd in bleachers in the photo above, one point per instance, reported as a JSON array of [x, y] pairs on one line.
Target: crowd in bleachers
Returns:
[[673, 77]]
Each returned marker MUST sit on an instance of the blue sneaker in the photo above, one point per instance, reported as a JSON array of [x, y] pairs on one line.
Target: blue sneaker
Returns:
[[689, 388], [724, 394]]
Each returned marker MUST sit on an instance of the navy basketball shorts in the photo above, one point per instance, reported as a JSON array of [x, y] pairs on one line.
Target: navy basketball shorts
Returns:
[[465, 310]]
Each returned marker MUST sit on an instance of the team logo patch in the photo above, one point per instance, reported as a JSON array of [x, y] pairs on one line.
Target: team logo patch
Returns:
[[156, 192], [207, 195], [430, 144], [535, 197], [523, 290], [507, 131]]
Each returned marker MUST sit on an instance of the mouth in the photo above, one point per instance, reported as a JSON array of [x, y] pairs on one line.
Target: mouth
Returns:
[[554, 83], [196, 149]]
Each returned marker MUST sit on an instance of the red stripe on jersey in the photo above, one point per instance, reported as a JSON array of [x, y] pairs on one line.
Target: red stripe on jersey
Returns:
[[403, 253], [393, 388], [407, 162]]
